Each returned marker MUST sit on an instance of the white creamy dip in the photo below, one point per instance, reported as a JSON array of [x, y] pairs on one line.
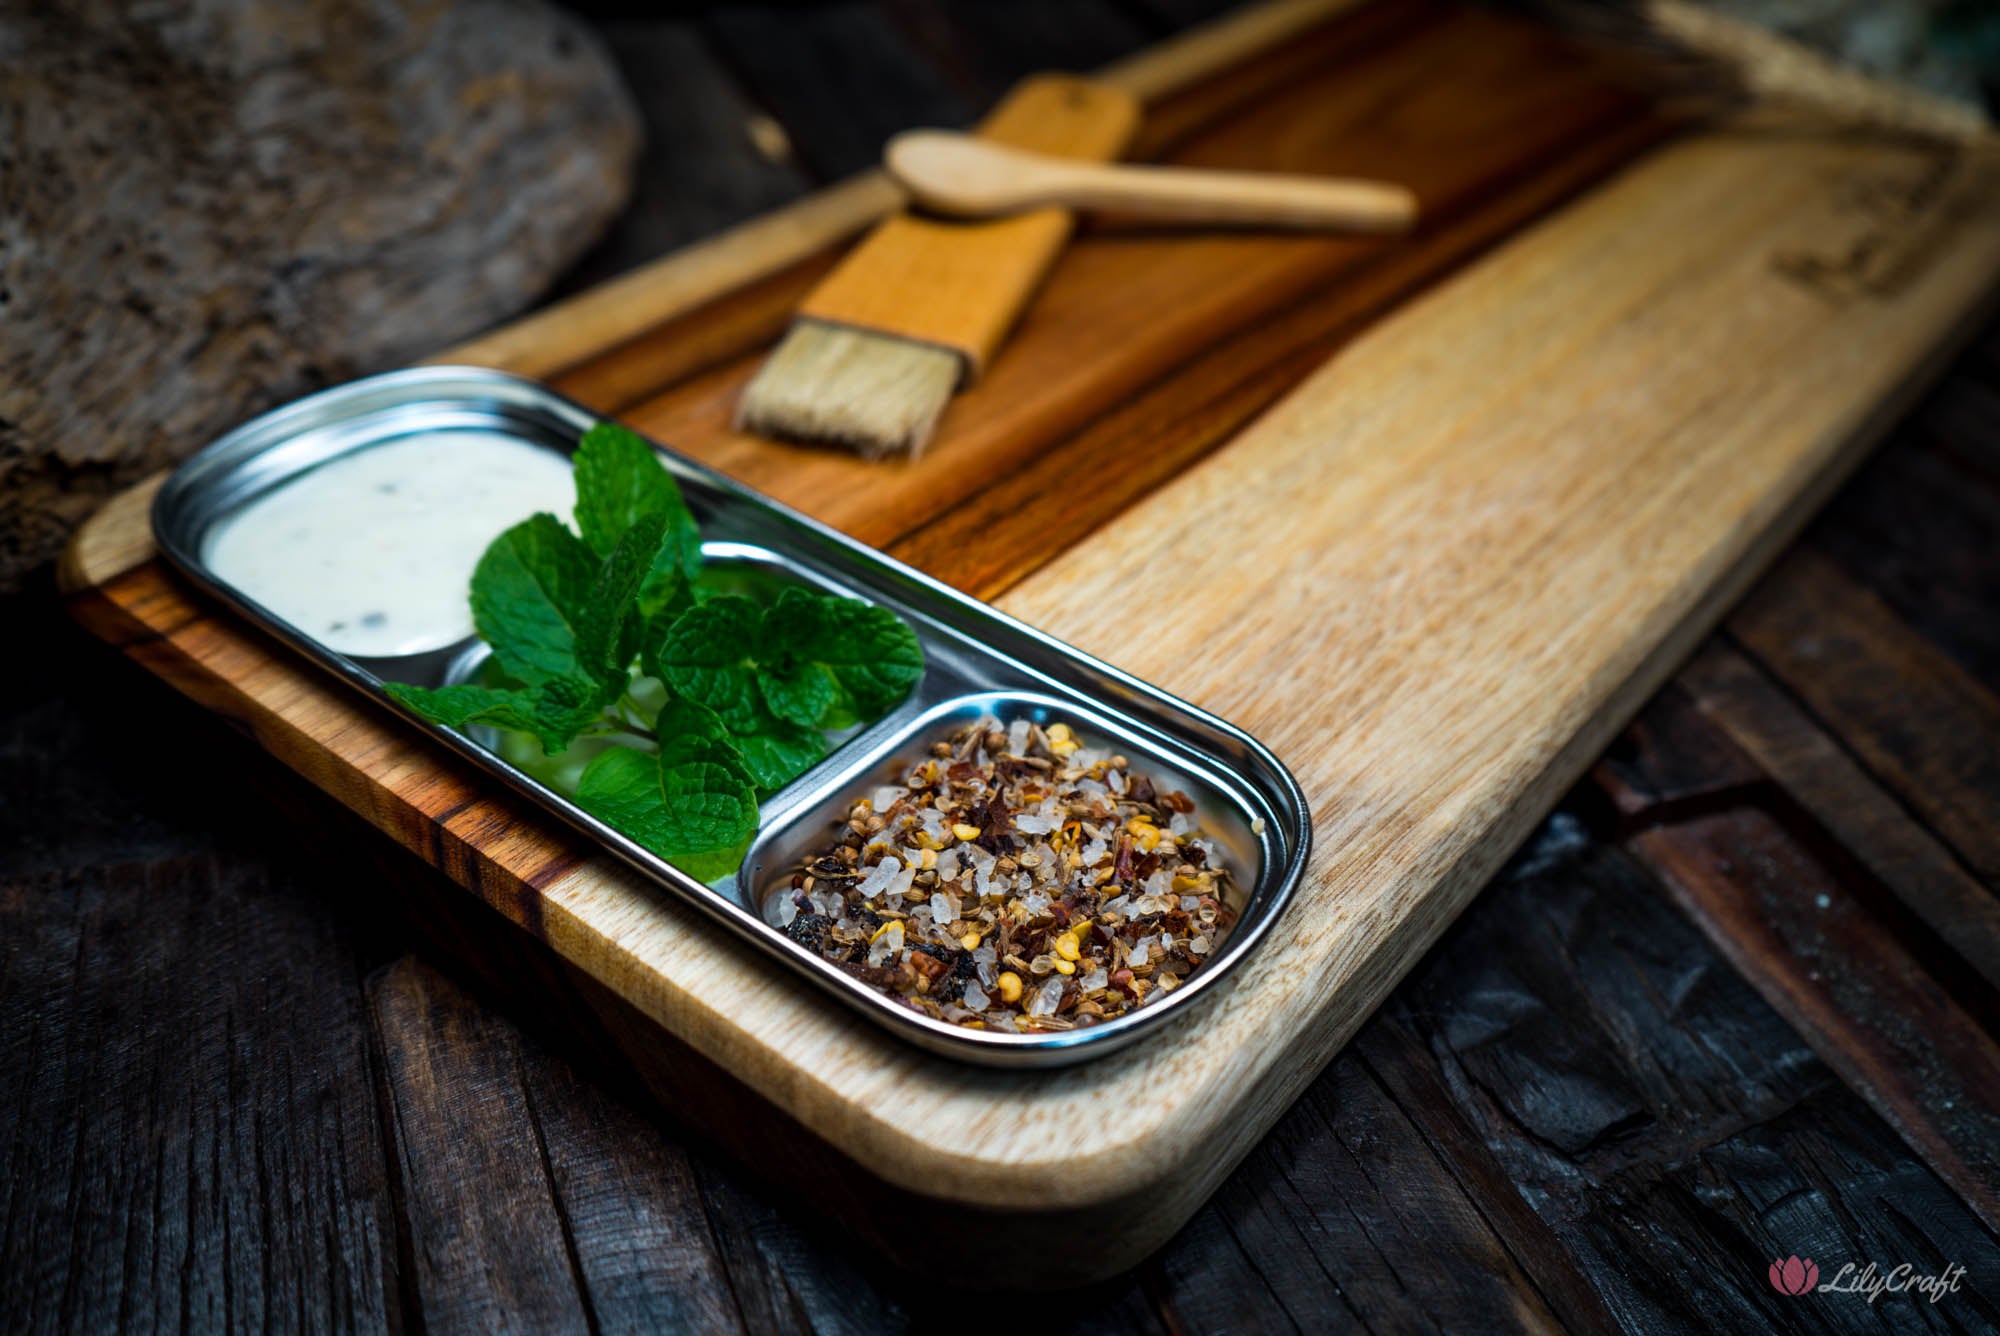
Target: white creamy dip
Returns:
[[372, 553]]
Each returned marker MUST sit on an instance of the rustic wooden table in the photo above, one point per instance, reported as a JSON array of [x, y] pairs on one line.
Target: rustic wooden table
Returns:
[[1734, 1001]]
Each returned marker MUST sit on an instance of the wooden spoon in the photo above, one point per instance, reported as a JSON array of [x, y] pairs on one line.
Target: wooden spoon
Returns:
[[967, 177]]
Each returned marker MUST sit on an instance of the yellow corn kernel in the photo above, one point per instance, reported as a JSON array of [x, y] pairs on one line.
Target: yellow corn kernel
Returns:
[[1010, 986], [1065, 966], [970, 941], [929, 859], [1065, 747], [965, 832], [892, 923], [1059, 733], [1145, 836], [1186, 884], [1067, 948]]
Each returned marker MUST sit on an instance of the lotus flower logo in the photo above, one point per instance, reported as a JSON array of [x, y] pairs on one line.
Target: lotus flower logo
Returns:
[[1792, 1276]]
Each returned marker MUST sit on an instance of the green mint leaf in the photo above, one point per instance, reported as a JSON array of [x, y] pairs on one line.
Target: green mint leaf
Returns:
[[619, 478], [798, 692], [528, 595], [870, 652], [692, 804], [607, 632], [873, 653], [706, 657], [682, 718], [553, 712], [780, 752]]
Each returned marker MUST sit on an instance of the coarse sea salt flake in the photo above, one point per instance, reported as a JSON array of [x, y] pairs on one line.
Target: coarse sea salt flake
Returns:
[[886, 945], [788, 909], [878, 878], [975, 996], [1017, 737], [1138, 956], [1047, 997]]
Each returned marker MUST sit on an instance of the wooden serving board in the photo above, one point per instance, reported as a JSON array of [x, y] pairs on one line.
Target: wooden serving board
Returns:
[[1505, 473]]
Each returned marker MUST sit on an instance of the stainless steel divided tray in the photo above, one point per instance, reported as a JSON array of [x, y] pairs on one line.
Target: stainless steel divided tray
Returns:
[[978, 661]]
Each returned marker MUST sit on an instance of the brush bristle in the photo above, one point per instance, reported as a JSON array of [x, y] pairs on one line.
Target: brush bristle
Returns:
[[873, 393]]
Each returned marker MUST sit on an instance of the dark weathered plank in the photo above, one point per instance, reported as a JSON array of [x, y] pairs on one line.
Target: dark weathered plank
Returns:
[[562, 1208], [1409, 1072], [90, 749], [702, 168], [1340, 1215], [489, 1243], [983, 46], [1921, 520], [1181, 13], [1674, 1133], [1838, 974], [1924, 726], [1736, 697], [633, 1206], [1660, 768], [191, 1136], [839, 77], [191, 1133]]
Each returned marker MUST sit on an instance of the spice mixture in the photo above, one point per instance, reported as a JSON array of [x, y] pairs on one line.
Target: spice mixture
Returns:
[[1016, 880]]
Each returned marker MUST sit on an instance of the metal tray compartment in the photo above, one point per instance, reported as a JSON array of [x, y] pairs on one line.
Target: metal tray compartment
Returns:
[[977, 661]]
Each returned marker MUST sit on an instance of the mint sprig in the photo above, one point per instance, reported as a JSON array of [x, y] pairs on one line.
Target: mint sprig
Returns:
[[747, 688], [807, 659]]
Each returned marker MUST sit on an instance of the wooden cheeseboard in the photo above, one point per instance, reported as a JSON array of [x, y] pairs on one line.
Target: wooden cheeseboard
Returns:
[[1559, 430]]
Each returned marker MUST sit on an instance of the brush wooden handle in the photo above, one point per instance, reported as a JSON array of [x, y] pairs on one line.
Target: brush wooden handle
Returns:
[[973, 178], [962, 285]]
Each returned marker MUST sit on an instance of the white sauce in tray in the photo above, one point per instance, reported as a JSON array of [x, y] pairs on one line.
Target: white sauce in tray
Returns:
[[372, 553]]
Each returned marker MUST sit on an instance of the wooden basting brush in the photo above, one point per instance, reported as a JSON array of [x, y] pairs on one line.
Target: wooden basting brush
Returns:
[[919, 307]]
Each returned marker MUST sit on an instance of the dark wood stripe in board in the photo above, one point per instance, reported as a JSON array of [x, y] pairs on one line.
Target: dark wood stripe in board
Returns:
[[748, 321], [1491, 120], [1145, 442]]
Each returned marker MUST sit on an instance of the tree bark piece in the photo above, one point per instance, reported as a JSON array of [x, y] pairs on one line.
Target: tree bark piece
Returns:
[[207, 209]]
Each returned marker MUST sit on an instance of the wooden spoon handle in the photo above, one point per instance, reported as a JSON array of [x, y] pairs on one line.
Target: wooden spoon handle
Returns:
[[1259, 199]]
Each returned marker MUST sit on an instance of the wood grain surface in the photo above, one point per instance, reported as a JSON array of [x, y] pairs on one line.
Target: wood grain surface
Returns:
[[1508, 508]]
